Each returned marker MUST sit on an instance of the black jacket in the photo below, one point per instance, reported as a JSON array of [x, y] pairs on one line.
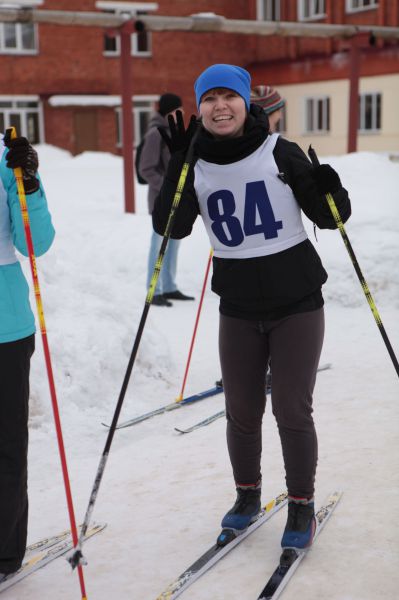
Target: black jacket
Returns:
[[265, 287]]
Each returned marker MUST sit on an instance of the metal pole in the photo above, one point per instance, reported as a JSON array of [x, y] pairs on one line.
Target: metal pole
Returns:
[[355, 54], [127, 117], [354, 69]]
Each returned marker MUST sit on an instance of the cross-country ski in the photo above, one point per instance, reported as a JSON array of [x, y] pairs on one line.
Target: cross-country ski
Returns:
[[217, 389], [216, 552], [43, 552], [291, 558]]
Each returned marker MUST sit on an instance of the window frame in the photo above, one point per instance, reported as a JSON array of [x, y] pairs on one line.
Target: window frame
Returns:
[[326, 118], [20, 50], [375, 117], [282, 124], [351, 9], [23, 111], [133, 9], [313, 16], [260, 10], [151, 99], [134, 44]]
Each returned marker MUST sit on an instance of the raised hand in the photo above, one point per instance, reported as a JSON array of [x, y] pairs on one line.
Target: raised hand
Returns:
[[179, 137]]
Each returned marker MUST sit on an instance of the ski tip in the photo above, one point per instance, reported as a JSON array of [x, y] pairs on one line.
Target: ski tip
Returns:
[[179, 430], [76, 559]]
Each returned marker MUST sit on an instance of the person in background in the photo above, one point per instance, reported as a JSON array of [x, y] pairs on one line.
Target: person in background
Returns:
[[17, 341], [250, 187], [272, 103], [153, 163]]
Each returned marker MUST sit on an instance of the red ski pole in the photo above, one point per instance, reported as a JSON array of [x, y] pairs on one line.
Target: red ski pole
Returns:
[[180, 396], [32, 260]]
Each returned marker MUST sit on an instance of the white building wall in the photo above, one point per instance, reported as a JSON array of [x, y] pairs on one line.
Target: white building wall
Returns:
[[388, 138], [335, 141]]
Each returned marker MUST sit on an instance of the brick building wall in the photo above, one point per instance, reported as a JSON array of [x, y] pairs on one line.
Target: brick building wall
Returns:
[[70, 61]]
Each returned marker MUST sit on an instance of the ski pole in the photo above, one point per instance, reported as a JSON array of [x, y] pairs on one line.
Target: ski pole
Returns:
[[180, 397], [363, 283], [76, 558], [39, 305]]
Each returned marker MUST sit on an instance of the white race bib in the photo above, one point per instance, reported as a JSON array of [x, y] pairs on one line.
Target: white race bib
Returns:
[[247, 210]]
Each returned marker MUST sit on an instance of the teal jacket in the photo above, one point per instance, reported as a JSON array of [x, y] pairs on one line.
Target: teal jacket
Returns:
[[16, 316]]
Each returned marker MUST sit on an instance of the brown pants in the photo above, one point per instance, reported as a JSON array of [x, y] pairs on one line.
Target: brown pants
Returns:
[[293, 345]]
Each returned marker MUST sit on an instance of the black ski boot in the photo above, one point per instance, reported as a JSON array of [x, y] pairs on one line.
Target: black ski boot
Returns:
[[242, 514], [301, 525]]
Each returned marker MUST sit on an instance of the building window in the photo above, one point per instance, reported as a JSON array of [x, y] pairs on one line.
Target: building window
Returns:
[[281, 126], [24, 114], [18, 38], [317, 115], [111, 46], [142, 111], [268, 10], [141, 42], [311, 9], [358, 5], [370, 112]]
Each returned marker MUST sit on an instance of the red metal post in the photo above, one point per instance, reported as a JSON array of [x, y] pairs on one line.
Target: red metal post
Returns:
[[127, 117], [356, 43], [354, 69]]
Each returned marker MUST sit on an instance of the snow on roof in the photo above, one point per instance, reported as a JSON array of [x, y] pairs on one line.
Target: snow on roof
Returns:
[[81, 100]]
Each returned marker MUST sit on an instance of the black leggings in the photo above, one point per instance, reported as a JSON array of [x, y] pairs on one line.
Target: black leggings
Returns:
[[293, 345], [14, 398]]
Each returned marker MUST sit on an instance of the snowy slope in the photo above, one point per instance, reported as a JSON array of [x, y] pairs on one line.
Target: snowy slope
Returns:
[[163, 494]]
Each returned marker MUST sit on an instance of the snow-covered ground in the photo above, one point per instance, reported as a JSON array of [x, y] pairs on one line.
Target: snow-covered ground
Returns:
[[163, 494]]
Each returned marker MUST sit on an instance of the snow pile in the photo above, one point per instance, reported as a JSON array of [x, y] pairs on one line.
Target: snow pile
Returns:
[[163, 494]]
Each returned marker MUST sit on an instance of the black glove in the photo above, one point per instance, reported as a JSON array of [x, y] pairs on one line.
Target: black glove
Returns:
[[21, 154], [326, 179], [180, 138]]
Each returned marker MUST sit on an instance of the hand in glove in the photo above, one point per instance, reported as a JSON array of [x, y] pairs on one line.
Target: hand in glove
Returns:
[[327, 180], [21, 154], [180, 137]]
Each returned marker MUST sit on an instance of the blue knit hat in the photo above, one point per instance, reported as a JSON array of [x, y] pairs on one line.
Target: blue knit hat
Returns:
[[224, 76]]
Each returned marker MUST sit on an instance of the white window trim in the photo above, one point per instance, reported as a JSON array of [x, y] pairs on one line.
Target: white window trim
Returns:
[[133, 8], [136, 109], [117, 51], [260, 13], [301, 16], [284, 119], [135, 51], [308, 132], [39, 109], [349, 9], [19, 49], [374, 130]]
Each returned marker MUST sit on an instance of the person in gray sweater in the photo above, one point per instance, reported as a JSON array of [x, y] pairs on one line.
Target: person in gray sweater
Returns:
[[154, 160]]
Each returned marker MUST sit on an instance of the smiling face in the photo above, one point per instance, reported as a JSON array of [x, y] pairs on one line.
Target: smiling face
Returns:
[[223, 113]]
